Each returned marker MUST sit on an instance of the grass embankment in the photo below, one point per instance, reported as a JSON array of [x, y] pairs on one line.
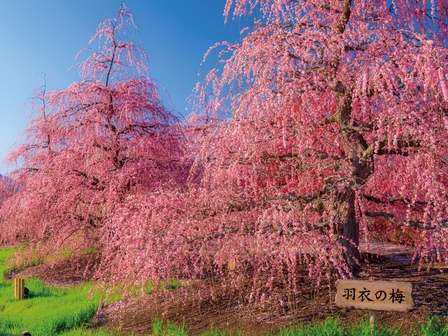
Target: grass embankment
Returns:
[[46, 311], [54, 311]]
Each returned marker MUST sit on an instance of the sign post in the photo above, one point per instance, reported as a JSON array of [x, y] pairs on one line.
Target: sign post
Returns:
[[374, 295]]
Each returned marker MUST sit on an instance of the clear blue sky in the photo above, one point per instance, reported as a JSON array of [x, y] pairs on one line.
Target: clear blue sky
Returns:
[[44, 37]]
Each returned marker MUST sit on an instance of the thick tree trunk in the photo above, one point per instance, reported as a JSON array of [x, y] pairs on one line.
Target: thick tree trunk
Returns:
[[362, 168], [349, 233]]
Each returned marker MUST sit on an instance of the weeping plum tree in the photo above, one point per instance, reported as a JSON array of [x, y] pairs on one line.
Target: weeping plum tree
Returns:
[[90, 146], [326, 116]]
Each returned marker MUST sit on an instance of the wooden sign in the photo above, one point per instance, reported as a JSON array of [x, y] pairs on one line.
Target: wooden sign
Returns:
[[374, 295]]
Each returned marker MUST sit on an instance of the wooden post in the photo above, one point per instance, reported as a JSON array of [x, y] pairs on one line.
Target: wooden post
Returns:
[[372, 319], [19, 289], [232, 264], [372, 314]]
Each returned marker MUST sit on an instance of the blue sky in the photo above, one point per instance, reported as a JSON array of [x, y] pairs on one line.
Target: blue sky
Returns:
[[44, 37]]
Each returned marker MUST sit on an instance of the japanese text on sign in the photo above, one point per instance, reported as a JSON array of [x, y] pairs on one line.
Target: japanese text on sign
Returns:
[[374, 295], [395, 295]]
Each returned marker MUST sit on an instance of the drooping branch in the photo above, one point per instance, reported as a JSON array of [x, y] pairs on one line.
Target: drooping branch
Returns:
[[418, 224], [401, 147], [93, 221], [393, 200]]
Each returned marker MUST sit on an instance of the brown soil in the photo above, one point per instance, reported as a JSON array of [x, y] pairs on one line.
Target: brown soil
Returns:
[[69, 272], [201, 313]]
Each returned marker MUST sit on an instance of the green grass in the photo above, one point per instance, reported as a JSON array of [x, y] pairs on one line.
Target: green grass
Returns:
[[46, 311], [53, 311], [436, 326], [161, 328], [333, 327]]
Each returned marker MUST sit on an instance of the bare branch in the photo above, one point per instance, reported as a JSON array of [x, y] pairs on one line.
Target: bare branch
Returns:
[[360, 47]]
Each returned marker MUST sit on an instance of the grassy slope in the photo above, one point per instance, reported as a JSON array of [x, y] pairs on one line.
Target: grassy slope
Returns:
[[47, 311]]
